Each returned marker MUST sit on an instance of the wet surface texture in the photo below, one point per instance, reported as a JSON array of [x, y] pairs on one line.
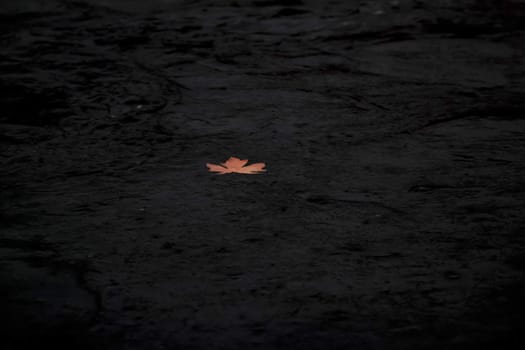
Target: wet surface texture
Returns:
[[390, 217]]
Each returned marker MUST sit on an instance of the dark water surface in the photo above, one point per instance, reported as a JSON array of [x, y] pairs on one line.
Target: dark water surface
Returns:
[[391, 215], [123, 5]]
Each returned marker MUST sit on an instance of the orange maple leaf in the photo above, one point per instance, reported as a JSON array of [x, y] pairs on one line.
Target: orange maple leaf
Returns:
[[236, 165]]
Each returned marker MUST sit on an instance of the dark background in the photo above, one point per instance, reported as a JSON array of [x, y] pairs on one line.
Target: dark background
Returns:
[[390, 217]]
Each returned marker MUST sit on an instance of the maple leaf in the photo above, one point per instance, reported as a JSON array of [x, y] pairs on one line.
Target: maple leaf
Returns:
[[236, 165]]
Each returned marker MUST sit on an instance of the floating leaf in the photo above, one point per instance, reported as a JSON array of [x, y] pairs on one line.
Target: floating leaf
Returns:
[[236, 165]]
